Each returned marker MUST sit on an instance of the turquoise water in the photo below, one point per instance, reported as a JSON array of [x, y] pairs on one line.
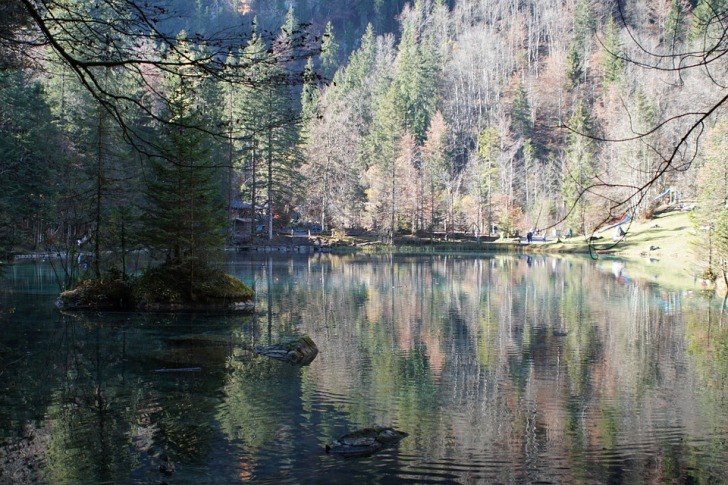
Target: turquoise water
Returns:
[[502, 368]]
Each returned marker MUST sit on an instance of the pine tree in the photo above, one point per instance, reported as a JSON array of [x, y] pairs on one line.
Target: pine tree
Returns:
[[721, 244], [675, 25], [712, 207], [309, 92], [383, 148], [185, 216], [574, 70], [485, 175], [106, 174], [521, 113], [584, 27], [249, 102], [612, 63], [271, 125], [185, 210], [360, 65], [31, 164], [416, 77], [578, 168], [707, 23], [329, 53]]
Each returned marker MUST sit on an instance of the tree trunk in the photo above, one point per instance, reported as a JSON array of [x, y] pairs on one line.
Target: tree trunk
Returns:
[[99, 187], [270, 183], [254, 211]]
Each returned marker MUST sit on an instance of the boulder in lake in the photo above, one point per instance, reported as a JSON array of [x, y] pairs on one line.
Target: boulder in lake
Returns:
[[295, 350], [366, 441]]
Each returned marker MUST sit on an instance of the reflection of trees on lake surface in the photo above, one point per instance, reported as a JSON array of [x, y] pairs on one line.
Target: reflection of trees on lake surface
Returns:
[[502, 368], [90, 408], [532, 361]]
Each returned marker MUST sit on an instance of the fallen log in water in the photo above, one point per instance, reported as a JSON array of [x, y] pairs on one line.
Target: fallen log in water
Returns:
[[181, 369]]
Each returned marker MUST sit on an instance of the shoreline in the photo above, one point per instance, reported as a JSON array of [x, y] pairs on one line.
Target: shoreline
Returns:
[[667, 243]]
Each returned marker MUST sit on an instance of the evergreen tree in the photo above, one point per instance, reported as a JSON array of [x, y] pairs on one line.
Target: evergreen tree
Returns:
[[309, 92], [574, 70], [712, 207], [521, 113], [721, 244], [31, 165], [707, 23], [612, 62], [584, 23], [361, 64], [272, 122], [251, 111], [584, 27], [416, 78], [675, 24], [354, 84], [185, 216], [485, 175], [383, 149], [578, 168], [329, 53]]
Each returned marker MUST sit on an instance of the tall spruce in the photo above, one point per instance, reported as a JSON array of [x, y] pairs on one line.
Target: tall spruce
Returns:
[[31, 170], [612, 63], [185, 213], [329, 53], [484, 177], [579, 168]]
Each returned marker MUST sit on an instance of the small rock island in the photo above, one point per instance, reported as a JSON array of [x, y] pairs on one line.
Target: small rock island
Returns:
[[182, 286]]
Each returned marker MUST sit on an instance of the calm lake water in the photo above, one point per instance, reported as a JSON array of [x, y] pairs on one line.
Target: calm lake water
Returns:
[[503, 368]]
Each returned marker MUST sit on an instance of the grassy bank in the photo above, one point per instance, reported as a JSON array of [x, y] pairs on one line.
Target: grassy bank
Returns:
[[665, 249], [669, 236]]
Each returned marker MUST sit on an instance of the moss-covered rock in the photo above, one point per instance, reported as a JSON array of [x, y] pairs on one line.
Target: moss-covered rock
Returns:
[[172, 286], [299, 350], [366, 441], [98, 294]]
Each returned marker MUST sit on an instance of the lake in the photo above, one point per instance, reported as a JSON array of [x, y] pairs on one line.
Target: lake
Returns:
[[501, 368]]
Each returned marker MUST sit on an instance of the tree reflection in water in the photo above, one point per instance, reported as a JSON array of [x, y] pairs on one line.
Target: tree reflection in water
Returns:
[[501, 368]]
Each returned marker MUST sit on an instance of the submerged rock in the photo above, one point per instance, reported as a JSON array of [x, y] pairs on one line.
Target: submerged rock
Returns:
[[167, 466], [366, 441], [295, 350]]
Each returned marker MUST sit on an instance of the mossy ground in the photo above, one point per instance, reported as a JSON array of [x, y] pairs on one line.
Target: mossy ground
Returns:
[[99, 293], [188, 283]]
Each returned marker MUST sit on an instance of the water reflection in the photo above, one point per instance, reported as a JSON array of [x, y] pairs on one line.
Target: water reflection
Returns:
[[502, 369]]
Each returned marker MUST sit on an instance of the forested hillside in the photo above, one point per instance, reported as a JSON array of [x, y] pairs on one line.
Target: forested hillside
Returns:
[[496, 112], [386, 116]]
